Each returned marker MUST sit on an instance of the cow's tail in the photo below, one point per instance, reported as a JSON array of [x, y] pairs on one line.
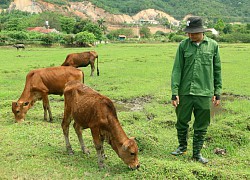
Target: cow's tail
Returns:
[[97, 67], [82, 77]]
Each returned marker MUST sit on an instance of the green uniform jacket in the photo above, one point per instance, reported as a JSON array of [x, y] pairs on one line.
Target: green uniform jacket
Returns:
[[197, 69]]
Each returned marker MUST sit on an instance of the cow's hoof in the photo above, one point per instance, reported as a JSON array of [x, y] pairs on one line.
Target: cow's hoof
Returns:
[[86, 151], [101, 166], [70, 151], [105, 156]]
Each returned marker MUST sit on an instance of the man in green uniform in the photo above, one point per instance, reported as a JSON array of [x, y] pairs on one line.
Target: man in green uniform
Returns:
[[195, 83]]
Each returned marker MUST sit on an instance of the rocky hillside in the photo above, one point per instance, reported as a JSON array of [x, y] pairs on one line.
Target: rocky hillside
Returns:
[[88, 10]]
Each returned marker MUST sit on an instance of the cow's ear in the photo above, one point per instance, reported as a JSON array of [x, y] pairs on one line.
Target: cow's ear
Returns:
[[26, 103], [133, 138], [125, 145]]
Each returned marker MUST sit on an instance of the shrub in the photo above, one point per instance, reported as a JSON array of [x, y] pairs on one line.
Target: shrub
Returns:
[[177, 38], [84, 38], [47, 39], [18, 35], [68, 39], [235, 38]]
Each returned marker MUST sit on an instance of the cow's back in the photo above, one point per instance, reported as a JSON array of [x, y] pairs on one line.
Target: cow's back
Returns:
[[88, 107], [77, 59], [53, 79]]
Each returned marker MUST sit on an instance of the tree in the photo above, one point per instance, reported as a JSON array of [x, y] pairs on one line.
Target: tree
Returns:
[[219, 26], [101, 25], [79, 25], [68, 39], [84, 38], [145, 32], [93, 28], [228, 29], [15, 24], [51, 17], [47, 39], [67, 24], [18, 35]]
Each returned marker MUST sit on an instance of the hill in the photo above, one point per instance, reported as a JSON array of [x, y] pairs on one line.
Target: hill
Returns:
[[119, 11], [228, 10]]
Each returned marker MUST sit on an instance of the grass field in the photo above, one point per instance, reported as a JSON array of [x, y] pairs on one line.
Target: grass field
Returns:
[[137, 78]]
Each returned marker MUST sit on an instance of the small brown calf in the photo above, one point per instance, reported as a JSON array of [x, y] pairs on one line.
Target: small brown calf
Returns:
[[90, 109]]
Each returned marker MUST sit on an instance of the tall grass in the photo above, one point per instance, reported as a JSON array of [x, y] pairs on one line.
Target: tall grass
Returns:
[[137, 78]]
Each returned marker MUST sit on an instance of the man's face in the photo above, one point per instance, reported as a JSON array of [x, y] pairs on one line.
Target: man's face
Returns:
[[196, 37]]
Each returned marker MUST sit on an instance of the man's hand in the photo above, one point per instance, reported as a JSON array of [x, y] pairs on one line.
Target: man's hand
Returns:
[[215, 101], [175, 102]]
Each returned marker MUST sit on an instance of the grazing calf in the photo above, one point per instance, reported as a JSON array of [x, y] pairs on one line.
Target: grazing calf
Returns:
[[17, 46], [82, 60], [40, 83], [90, 109]]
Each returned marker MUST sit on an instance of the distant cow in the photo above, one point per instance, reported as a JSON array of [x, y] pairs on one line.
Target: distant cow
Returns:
[[82, 60], [90, 109], [17, 46], [40, 83]]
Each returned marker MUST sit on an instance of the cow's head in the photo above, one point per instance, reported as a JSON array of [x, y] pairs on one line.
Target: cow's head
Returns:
[[129, 153], [20, 109]]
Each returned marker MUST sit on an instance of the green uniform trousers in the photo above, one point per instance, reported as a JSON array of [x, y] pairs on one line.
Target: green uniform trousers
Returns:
[[200, 106]]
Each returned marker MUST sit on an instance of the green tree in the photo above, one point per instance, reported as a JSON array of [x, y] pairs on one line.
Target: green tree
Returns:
[[84, 38], [101, 25], [68, 39], [47, 39], [228, 29], [15, 24], [220, 25], [5, 4], [93, 28], [51, 17], [79, 25], [67, 24], [145, 32], [18, 35]]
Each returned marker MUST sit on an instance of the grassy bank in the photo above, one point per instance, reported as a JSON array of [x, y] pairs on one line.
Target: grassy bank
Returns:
[[137, 78]]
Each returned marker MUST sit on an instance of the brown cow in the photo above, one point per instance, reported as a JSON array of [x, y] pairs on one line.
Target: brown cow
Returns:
[[40, 83], [82, 60], [90, 109]]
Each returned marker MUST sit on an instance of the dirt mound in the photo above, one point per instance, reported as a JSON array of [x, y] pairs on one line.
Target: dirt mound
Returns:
[[88, 10]]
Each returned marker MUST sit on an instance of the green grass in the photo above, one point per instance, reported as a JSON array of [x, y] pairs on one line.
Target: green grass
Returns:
[[137, 78]]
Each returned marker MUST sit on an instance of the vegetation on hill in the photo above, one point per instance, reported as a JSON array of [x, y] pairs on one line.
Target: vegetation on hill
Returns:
[[75, 31], [228, 10], [5, 3]]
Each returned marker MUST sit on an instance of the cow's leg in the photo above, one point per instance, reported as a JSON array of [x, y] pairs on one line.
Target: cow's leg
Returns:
[[98, 146], [92, 64], [65, 126], [78, 130], [46, 107], [102, 149]]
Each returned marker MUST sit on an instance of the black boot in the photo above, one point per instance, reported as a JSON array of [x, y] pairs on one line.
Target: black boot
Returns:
[[182, 138], [198, 140]]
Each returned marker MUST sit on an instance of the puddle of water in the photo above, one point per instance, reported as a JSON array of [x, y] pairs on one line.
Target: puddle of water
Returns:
[[216, 110], [120, 106], [226, 97]]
